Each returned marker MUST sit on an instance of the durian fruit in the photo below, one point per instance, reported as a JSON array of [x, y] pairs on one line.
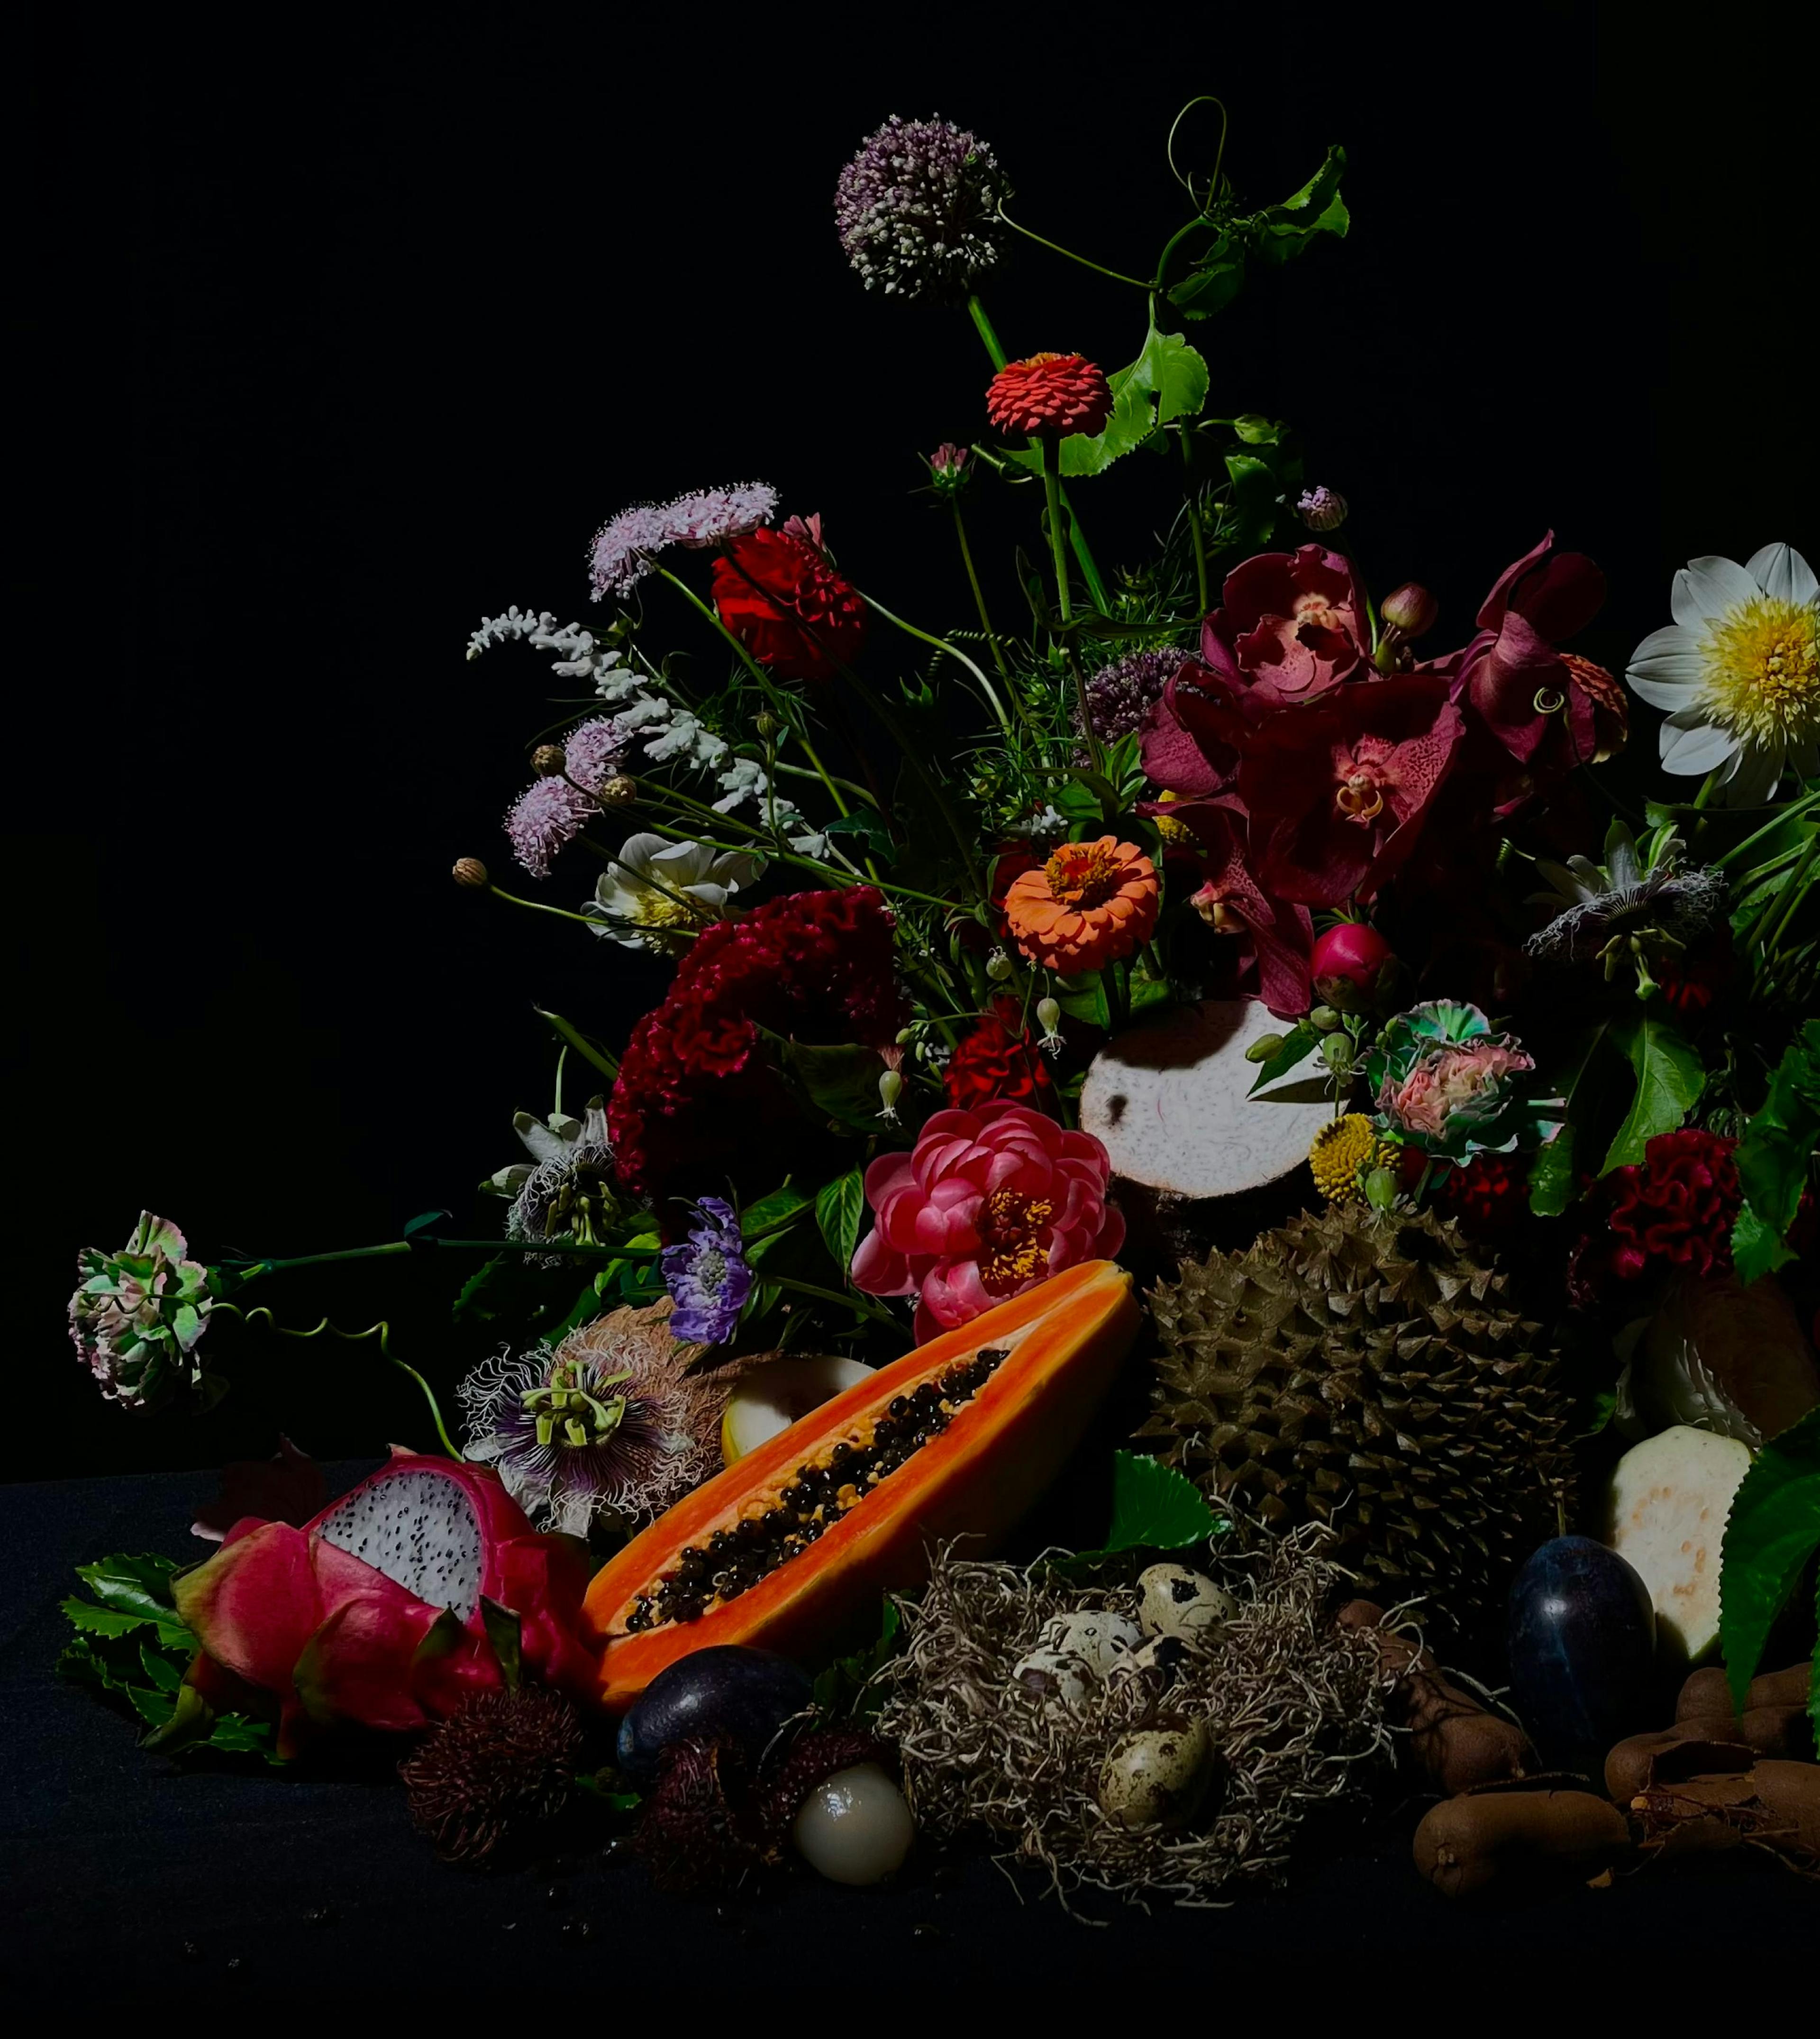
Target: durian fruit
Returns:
[[1366, 1369]]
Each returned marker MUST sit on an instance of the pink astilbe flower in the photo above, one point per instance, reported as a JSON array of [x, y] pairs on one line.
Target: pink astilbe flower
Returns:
[[625, 547], [989, 1203]]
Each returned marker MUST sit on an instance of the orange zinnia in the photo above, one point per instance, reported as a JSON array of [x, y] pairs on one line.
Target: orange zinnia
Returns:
[[1090, 904]]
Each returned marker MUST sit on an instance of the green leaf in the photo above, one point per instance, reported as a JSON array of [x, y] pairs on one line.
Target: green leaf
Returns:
[[1298, 1043], [1551, 1176], [1670, 1077], [1280, 233], [839, 1083], [1168, 380], [1216, 279], [1773, 1529], [505, 1632], [1775, 1153], [869, 825], [1255, 490], [1757, 1249], [1083, 998], [131, 1586], [236, 1735], [839, 1208], [101, 1620], [163, 1674], [772, 1212], [841, 1688], [1154, 1507], [1256, 430]]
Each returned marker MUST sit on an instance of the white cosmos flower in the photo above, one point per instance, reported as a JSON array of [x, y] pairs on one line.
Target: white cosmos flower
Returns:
[[659, 892], [1739, 670]]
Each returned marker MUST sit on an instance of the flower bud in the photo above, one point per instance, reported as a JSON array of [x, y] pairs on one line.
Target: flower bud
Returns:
[[1410, 609], [1324, 1018], [890, 1089], [1321, 509], [470, 871], [1350, 964], [1380, 1189], [950, 469], [766, 724], [1210, 905], [1263, 1047], [905, 1036], [1049, 1015], [548, 761], [619, 790], [1336, 1053], [997, 965]]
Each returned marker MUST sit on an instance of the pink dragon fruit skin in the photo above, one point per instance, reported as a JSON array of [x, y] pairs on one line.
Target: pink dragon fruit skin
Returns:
[[372, 1612]]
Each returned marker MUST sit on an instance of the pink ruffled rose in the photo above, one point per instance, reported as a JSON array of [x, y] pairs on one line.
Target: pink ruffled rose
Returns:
[[989, 1203]]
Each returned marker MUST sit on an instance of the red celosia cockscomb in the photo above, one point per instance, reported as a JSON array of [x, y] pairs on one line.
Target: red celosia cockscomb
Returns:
[[777, 593], [1675, 1211], [695, 1088], [1337, 791], [1049, 396], [989, 1203], [1289, 626], [998, 1061]]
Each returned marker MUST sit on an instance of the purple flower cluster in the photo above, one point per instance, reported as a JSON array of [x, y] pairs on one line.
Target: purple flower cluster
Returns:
[[707, 1276], [551, 812], [1120, 694], [626, 547], [915, 210]]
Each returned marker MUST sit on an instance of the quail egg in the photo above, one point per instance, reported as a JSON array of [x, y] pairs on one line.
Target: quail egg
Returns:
[[1103, 1639], [1176, 1601], [1159, 1776], [1058, 1676], [1158, 1659]]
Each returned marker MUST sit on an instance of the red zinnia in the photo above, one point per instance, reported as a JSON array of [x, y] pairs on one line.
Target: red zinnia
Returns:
[[1049, 396], [778, 594], [999, 1059], [1675, 1211]]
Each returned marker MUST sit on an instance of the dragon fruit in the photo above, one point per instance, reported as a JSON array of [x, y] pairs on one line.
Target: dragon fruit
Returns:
[[377, 1611]]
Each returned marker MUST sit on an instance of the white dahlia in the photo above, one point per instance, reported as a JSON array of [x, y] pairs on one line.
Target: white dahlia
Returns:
[[660, 895], [1739, 671]]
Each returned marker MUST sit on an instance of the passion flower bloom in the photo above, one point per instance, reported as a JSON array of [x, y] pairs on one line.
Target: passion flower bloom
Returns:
[[917, 209], [1627, 909], [998, 1061], [1338, 791], [611, 1422], [1090, 904], [989, 1203], [1739, 671], [1673, 1211], [138, 1315], [1290, 626], [1443, 1082], [780, 596], [706, 1276], [1049, 396], [659, 893]]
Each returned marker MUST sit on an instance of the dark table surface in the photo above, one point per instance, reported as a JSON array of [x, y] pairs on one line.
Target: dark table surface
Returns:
[[135, 1879]]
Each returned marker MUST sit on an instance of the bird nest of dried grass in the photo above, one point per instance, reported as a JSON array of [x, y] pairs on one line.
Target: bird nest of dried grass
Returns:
[[1295, 1707]]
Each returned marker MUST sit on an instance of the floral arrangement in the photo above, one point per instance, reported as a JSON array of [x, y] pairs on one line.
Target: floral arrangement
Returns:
[[1545, 1021]]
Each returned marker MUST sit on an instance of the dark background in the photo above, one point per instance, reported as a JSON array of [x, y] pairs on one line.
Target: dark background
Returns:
[[332, 348]]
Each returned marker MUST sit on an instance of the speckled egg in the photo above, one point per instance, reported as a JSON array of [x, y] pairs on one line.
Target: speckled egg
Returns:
[[1178, 1602], [1103, 1639], [1159, 1776], [1061, 1677], [1158, 1661]]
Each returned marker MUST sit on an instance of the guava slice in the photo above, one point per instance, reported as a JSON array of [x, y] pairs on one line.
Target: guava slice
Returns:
[[1666, 1512]]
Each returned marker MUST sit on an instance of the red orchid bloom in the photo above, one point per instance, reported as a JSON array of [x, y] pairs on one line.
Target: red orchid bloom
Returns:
[[1232, 902], [1337, 792], [1192, 738], [1290, 626]]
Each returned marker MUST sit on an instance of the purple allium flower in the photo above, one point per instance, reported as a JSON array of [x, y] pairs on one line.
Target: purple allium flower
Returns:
[[1119, 694], [625, 547], [915, 210], [138, 1315], [1321, 509], [611, 1421], [545, 817], [708, 1277]]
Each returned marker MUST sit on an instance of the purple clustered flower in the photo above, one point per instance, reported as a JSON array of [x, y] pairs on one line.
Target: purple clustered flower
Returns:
[[592, 752], [626, 547], [1321, 509], [707, 1276], [1120, 694], [545, 817], [915, 210]]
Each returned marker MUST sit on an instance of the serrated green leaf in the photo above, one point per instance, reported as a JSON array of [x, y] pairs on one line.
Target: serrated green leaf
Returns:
[[101, 1620], [840, 1206], [841, 1688], [236, 1735], [1670, 1077], [1773, 1530], [1775, 1156], [869, 825], [1154, 1507], [1168, 380], [1757, 1249], [152, 1707], [131, 1585], [162, 1672], [1552, 1176]]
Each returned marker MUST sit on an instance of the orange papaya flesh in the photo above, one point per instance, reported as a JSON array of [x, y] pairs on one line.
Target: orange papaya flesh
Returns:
[[825, 1536]]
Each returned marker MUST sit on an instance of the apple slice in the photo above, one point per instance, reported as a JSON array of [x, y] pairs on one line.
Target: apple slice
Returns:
[[778, 1392], [1665, 1511]]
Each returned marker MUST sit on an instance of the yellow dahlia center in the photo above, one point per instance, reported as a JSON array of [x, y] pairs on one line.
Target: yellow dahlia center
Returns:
[[660, 909], [1081, 877], [1762, 662], [1013, 1238]]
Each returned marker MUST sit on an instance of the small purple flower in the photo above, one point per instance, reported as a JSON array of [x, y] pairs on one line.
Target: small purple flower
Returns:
[[708, 1277], [1119, 694], [625, 547], [917, 209], [712, 516], [591, 752], [1321, 509], [545, 817]]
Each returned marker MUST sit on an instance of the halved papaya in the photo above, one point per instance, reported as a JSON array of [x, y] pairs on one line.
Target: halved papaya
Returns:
[[799, 1537]]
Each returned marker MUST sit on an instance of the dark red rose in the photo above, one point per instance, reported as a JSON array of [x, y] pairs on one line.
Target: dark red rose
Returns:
[[1291, 625], [778, 594], [1675, 1211], [998, 1059], [1338, 791]]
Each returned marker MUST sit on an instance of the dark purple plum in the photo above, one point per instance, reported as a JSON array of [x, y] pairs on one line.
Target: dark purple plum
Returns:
[[1582, 1639], [726, 1693]]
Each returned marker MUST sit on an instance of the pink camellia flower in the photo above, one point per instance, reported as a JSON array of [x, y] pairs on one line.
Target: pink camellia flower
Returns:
[[1338, 791], [1289, 626], [989, 1203]]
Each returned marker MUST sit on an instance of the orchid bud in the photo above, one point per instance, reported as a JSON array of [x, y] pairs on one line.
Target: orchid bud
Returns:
[[1321, 509], [1210, 905], [1324, 1018], [548, 761], [470, 871], [1410, 609]]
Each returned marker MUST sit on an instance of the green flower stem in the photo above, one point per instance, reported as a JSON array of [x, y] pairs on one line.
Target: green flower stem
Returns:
[[1194, 523], [1795, 888], [853, 1301], [809, 864], [382, 1331], [1055, 247], [941, 644], [537, 906], [1090, 572], [847, 785], [1794, 809], [979, 593], [1051, 449], [607, 1063]]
